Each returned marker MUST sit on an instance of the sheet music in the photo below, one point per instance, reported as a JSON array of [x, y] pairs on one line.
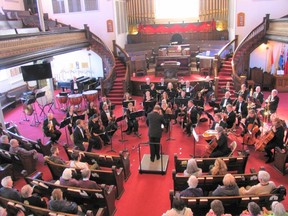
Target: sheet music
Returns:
[[195, 135]]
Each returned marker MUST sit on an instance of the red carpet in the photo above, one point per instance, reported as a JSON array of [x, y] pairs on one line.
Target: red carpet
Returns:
[[147, 194]]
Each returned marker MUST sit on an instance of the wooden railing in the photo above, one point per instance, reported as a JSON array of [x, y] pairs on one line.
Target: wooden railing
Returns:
[[240, 60], [124, 56], [99, 47]]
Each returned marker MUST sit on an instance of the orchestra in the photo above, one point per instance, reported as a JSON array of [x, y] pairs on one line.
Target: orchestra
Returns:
[[179, 102]]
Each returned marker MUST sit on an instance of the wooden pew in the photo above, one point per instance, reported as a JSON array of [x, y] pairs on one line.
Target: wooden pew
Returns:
[[109, 176], [234, 164], [13, 207], [105, 160], [104, 198], [210, 182], [6, 169], [19, 163], [30, 144], [232, 204]]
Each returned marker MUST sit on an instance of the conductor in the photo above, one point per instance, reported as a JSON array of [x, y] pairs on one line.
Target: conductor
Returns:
[[154, 121]]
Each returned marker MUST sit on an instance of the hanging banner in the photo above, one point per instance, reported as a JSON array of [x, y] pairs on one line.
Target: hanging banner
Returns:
[[109, 24]]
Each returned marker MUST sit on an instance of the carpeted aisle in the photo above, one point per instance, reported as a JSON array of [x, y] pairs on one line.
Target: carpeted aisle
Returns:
[[148, 194]]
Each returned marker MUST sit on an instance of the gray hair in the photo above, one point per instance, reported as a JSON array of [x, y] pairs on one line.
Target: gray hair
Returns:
[[3, 137], [26, 191], [192, 166], [192, 181], [5, 181], [254, 209], [217, 207], [278, 209], [264, 176]]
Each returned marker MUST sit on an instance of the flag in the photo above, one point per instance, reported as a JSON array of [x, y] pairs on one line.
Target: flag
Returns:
[[270, 60]]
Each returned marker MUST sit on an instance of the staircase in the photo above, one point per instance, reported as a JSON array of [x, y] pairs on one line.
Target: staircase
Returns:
[[225, 75], [116, 93]]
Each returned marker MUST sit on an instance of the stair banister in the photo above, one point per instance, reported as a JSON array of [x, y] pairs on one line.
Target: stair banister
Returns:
[[238, 61], [127, 60], [99, 47]]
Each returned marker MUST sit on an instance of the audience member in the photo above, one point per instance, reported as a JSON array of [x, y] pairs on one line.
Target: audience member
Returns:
[[253, 209], [4, 143], [3, 211], [67, 180], [15, 148], [76, 162], [55, 156], [30, 199], [58, 204], [86, 182], [278, 209], [265, 186], [219, 167], [192, 168], [178, 208], [217, 209], [7, 190], [229, 188], [192, 190]]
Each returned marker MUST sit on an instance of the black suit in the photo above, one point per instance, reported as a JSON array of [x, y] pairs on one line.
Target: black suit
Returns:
[[154, 121], [56, 134], [274, 104], [243, 109], [259, 97], [5, 146], [222, 148], [221, 123], [79, 138], [193, 119], [231, 119], [276, 141], [222, 107]]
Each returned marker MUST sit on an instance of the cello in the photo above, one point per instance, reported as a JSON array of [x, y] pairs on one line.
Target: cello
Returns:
[[210, 148], [249, 137], [261, 144]]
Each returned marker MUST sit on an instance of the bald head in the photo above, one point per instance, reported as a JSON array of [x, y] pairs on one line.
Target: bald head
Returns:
[[14, 143]]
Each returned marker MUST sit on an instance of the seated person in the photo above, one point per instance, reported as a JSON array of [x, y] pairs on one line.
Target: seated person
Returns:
[[229, 188], [3, 211], [85, 182], [265, 186], [55, 156], [49, 128], [230, 116], [67, 180], [192, 168], [192, 190], [219, 167], [178, 208], [132, 121], [253, 209], [4, 143], [278, 209], [218, 122], [277, 140], [57, 203], [222, 149], [217, 209], [15, 149], [7, 190], [28, 198], [76, 162]]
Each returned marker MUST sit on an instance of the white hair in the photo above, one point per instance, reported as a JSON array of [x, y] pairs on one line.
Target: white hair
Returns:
[[5, 181], [192, 181], [278, 209], [264, 176]]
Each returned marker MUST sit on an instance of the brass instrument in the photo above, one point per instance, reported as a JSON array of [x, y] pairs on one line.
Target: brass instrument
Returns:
[[28, 109], [51, 126]]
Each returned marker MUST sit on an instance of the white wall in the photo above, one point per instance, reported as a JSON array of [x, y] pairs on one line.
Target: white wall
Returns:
[[96, 20], [255, 10], [12, 5], [64, 66]]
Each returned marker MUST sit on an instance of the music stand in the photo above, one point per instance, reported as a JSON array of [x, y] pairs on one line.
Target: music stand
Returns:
[[122, 140], [125, 103], [41, 106], [144, 87], [181, 101], [112, 149], [161, 88], [149, 104], [137, 114], [63, 124], [169, 117], [196, 139]]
